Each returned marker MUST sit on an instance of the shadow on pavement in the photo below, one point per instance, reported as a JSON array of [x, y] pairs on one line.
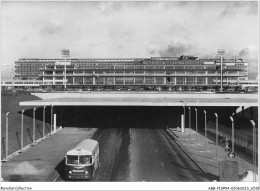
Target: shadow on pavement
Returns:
[[60, 168]]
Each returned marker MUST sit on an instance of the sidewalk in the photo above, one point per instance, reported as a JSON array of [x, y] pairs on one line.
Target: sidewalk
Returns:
[[207, 156], [41, 162]]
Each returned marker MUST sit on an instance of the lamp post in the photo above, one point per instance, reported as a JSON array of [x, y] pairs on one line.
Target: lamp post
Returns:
[[205, 129], [196, 122], [254, 150], [221, 52], [6, 135], [216, 135], [189, 120], [232, 153], [43, 123], [51, 116], [34, 109], [65, 53], [22, 130], [183, 115]]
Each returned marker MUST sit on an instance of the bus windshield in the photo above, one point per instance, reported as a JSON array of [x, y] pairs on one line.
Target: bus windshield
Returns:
[[72, 159], [85, 159]]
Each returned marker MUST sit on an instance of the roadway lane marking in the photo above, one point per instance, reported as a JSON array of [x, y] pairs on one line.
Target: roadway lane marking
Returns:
[[155, 150], [151, 140], [162, 164], [56, 178], [105, 150], [100, 164]]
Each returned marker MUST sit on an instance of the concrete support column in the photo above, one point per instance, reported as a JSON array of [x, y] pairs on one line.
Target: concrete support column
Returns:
[[182, 124], [54, 123]]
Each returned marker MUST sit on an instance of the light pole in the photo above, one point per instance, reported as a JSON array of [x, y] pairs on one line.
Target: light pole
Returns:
[[189, 120], [196, 122], [65, 53], [34, 109], [43, 123], [183, 115], [22, 130], [254, 150], [51, 116], [6, 135], [221, 52], [216, 135], [232, 153], [205, 130]]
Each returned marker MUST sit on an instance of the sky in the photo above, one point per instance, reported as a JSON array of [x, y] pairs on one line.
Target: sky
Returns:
[[124, 29]]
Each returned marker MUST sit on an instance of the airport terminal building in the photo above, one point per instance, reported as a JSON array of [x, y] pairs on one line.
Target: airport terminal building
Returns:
[[168, 73]]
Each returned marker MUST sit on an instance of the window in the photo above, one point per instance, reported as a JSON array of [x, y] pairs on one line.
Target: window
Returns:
[[201, 80], [78, 80], [159, 80], [190, 80], [149, 80], [85, 159], [88, 80], [139, 80], [129, 80], [72, 159], [99, 80], [180, 80], [119, 80]]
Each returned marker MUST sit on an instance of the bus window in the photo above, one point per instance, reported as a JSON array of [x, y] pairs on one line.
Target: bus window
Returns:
[[85, 159], [72, 159]]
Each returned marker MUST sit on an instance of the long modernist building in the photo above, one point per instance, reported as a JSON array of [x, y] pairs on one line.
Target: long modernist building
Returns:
[[157, 72]]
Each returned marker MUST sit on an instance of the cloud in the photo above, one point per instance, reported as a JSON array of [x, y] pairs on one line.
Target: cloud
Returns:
[[23, 39], [151, 51], [253, 8], [233, 8], [110, 8], [51, 27], [250, 55], [244, 52], [176, 49]]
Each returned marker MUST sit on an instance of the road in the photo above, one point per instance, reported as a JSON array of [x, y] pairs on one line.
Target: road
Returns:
[[135, 154]]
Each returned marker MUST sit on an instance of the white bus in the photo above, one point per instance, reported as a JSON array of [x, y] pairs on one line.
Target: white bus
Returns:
[[82, 161]]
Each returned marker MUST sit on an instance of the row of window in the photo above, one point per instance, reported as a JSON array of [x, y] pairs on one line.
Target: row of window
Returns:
[[145, 80]]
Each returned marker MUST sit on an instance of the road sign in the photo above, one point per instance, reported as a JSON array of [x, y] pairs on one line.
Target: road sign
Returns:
[[65, 52], [228, 171], [221, 51]]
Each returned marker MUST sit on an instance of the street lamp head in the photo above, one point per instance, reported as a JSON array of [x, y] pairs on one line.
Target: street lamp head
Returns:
[[189, 107], [44, 107], [34, 109], [205, 112], [221, 51], [195, 109], [23, 110], [231, 118], [7, 113], [216, 114], [252, 122]]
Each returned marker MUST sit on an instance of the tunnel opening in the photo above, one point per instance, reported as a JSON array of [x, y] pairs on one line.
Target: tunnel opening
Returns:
[[120, 117]]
